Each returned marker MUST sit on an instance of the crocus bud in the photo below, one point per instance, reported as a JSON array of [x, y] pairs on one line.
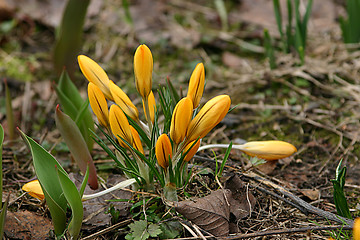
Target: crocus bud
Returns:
[[123, 101], [193, 149], [163, 151], [196, 84], [180, 119], [152, 107], [209, 116], [98, 104], [137, 141], [356, 229], [119, 125], [268, 150], [34, 189], [143, 67], [95, 74]]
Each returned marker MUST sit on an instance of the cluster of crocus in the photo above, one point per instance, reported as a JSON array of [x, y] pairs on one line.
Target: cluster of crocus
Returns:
[[173, 149]]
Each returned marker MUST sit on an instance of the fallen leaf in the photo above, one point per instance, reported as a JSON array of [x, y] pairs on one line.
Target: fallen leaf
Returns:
[[242, 201], [26, 225], [267, 167], [312, 194], [211, 213]]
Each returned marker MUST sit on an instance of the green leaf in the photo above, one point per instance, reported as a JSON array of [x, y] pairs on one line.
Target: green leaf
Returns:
[[340, 201], [141, 230], [45, 168], [269, 49], [77, 145], [69, 39], [74, 199], [174, 95], [3, 215], [278, 16], [74, 106]]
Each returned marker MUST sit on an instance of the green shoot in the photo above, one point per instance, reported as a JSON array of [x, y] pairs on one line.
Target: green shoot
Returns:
[[339, 195], [69, 39]]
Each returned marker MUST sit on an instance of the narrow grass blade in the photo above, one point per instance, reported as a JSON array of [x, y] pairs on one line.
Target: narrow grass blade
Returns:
[[269, 49], [226, 156], [84, 182], [278, 16], [126, 7], [305, 22]]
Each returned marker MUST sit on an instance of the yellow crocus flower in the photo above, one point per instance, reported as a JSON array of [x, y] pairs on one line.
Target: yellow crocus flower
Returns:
[[192, 151], [196, 84], [209, 116], [95, 74], [98, 104], [123, 101], [34, 189], [152, 107], [163, 151], [268, 150], [137, 141], [143, 67], [119, 125], [180, 120], [356, 229]]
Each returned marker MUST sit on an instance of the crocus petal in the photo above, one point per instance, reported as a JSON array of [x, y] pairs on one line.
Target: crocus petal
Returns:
[[190, 153], [163, 151], [268, 150], [123, 101], [34, 189], [196, 84], [209, 116], [98, 104], [137, 141], [180, 119], [143, 67], [95, 74], [119, 125], [356, 229], [152, 107]]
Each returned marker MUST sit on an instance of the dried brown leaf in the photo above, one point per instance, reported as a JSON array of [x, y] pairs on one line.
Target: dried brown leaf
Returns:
[[211, 213], [242, 201]]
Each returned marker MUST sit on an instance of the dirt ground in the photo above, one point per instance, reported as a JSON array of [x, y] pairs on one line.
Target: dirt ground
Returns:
[[316, 106]]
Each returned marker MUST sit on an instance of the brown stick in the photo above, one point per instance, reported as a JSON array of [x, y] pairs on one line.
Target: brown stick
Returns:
[[310, 208], [273, 232], [285, 231]]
